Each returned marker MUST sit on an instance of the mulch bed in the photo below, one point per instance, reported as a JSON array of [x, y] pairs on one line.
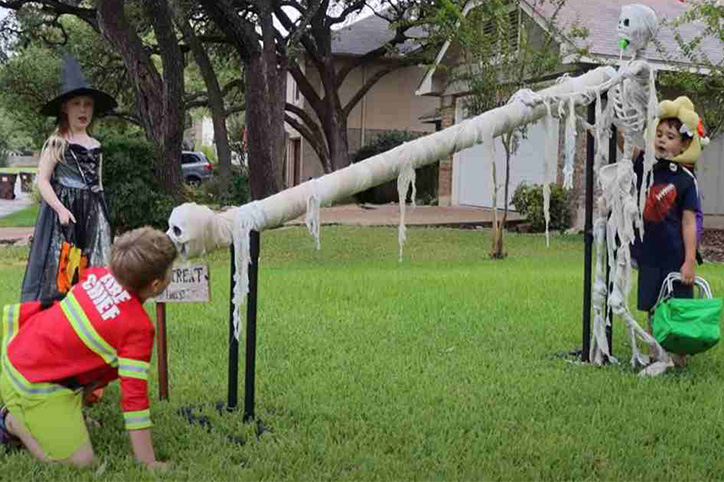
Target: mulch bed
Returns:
[[712, 245]]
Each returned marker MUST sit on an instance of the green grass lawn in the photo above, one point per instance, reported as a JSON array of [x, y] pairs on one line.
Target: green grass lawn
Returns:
[[15, 170], [442, 367], [25, 217]]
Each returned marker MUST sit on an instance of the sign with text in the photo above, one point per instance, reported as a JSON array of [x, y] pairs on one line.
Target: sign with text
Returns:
[[189, 284]]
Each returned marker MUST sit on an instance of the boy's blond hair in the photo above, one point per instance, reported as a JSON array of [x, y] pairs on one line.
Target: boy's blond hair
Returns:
[[140, 256]]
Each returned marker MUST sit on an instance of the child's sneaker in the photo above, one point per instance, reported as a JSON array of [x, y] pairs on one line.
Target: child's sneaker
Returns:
[[8, 441]]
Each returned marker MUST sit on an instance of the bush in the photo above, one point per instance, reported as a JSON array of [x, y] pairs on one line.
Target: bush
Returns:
[[528, 201], [132, 189], [238, 193], [426, 177]]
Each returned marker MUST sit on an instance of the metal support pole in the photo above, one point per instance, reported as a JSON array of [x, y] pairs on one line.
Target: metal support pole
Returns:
[[588, 238], [233, 378], [255, 246]]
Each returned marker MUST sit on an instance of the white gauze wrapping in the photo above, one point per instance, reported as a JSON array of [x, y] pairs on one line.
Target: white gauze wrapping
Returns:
[[248, 218], [649, 154], [405, 179], [604, 118], [312, 219], [570, 145], [599, 352], [549, 160]]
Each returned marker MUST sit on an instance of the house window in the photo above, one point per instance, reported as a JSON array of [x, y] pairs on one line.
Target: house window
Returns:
[[511, 27]]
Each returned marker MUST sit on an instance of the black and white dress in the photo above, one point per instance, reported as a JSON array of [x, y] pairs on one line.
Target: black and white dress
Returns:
[[76, 182]]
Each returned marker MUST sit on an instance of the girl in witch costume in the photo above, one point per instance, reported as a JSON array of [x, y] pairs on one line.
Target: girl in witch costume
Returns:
[[72, 231]]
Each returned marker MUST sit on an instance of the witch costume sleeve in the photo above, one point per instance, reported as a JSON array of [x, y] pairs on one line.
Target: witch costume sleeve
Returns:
[[59, 253]]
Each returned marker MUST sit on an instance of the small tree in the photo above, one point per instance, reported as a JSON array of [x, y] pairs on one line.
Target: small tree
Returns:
[[703, 79], [505, 52]]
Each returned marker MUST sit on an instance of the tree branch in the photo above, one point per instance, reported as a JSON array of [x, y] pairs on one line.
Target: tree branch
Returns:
[[88, 15], [356, 6], [305, 87], [306, 119], [319, 147], [367, 86], [234, 84], [234, 109]]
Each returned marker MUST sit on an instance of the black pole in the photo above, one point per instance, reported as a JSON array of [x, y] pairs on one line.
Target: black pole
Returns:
[[233, 387], [612, 154], [588, 238], [254, 240]]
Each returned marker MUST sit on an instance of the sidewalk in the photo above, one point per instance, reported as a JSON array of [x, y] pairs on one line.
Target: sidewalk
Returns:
[[389, 215], [349, 214]]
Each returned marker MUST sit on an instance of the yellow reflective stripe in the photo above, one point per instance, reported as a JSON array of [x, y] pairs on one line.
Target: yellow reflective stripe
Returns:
[[85, 331], [137, 420], [11, 324], [29, 388], [128, 367]]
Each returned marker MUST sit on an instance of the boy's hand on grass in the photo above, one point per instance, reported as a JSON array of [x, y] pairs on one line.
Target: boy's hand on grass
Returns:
[[688, 272]]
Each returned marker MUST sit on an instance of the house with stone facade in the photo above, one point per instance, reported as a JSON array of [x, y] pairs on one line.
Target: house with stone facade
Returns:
[[391, 104], [464, 179]]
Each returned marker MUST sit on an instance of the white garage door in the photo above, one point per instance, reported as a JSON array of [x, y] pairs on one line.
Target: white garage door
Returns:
[[472, 174], [711, 178]]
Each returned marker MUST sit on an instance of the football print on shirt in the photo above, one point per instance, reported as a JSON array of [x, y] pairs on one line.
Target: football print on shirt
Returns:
[[662, 198]]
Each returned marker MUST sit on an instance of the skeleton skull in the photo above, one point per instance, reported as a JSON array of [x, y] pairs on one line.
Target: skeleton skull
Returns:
[[637, 26], [196, 229]]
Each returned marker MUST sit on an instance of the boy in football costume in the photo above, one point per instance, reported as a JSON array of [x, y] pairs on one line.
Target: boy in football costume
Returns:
[[670, 213]]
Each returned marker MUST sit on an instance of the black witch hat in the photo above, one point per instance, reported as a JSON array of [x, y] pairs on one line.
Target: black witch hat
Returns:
[[74, 84]]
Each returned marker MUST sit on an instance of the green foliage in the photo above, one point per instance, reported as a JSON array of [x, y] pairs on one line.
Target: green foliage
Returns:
[[702, 77], [528, 201], [238, 193], [504, 52], [27, 81], [133, 191], [426, 177], [209, 152]]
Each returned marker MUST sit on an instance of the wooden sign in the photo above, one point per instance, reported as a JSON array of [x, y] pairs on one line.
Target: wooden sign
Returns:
[[189, 284]]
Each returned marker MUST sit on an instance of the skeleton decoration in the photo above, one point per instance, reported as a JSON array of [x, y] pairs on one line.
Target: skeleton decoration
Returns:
[[631, 107]]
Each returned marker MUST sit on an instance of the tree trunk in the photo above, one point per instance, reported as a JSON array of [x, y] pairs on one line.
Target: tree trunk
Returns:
[[498, 245], [216, 98], [173, 82], [335, 129], [159, 101], [265, 90], [265, 99]]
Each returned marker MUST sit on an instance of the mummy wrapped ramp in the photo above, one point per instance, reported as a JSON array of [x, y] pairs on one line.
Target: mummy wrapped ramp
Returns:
[[197, 230]]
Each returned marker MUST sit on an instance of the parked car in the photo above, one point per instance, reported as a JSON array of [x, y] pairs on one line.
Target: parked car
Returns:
[[196, 168]]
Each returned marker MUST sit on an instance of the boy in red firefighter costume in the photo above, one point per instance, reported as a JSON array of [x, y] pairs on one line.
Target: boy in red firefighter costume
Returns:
[[98, 333]]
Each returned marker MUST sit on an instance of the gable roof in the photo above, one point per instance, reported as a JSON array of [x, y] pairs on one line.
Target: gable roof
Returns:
[[366, 34], [600, 18]]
